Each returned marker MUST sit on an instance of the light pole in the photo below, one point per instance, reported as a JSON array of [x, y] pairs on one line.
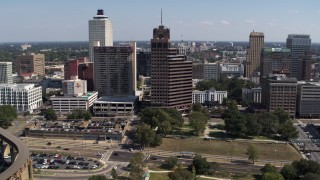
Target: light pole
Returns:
[[275, 151]]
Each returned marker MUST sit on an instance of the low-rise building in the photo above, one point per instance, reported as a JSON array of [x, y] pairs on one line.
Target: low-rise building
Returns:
[[24, 97], [231, 69], [210, 95], [65, 104], [308, 100], [115, 106]]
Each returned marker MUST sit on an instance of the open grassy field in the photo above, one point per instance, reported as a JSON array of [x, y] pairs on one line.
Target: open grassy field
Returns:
[[159, 176], [267, 151]]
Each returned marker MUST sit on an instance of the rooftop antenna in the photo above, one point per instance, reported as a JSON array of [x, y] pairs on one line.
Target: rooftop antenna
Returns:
[[161, 16]]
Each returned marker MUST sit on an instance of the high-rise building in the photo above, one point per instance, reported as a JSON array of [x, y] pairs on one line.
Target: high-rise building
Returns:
[[280, 91], [100, 29], [85, 72], [305, 67], [171, 73], [115, 70], [256, 43], [299, 44], [211, 71], [71, 67], [6, 73], [275, 61], [197, 70], [308, 100], [29, 64], [143, 63]]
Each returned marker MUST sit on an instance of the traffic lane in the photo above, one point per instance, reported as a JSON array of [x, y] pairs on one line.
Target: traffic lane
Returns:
[[121, 156]]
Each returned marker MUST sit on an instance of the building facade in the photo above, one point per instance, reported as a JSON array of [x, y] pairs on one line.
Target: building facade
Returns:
[[100, 29], [74, 87], [115, 70], [24, 97], [256, 43], [197, 70], [171, 73], [6, 73], [299, 44], [85, 72], [65, 104], [275, 61], [210, 95], [115, 106], [211, 71], [308, 100], [28, 64], [252, 95], [143, 63], [279, 91], [71, 67], [231, 70]]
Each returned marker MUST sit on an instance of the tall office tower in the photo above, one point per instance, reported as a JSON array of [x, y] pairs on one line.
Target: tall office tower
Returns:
[[143, 63], [6, 73], [305, 67], [171, 73], [33, 63], [256, 43], [115, 70], [100, 29], [197, 70], [299, 44], [71, 67], [275, 61], [85, 72]]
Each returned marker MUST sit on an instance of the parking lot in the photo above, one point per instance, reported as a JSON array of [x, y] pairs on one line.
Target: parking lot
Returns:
[[56, 161]]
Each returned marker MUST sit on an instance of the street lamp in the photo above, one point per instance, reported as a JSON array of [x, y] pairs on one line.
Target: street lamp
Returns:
[[275, 156]]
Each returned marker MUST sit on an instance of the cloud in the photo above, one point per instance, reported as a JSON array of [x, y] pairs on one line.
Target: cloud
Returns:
[[206, 23], [250, 21], [225, 22], [293, 11]]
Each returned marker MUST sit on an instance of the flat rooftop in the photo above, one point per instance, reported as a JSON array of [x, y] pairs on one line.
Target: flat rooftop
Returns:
[[105, 99]]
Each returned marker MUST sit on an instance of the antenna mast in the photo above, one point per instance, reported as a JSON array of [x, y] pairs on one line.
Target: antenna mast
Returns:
[[161, 16]]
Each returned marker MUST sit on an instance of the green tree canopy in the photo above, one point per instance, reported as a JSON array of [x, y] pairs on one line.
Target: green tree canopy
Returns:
[[79, 114], [198, 121], [137, 165], [267, 168], [201, 165], [171, 162], [7, 115], [50, 115], [181, 174], [289, 172], [98, 177], [145, 135], [272, 176], [252, 153]]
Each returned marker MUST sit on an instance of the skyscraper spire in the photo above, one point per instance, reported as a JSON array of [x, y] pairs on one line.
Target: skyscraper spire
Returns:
[[161, 16]]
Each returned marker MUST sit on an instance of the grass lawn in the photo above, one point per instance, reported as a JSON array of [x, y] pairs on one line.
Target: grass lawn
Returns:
[[159, 176], [231, 148]]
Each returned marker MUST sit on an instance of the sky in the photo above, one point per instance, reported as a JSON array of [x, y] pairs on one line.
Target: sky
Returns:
[[133, 20]]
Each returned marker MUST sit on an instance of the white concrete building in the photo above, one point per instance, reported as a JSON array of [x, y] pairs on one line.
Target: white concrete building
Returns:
[[6, 73], [100, 29], [74, 87], [65, 104], [211, 71], [231, 69], [25, 97], [210, 95], [252, 95]]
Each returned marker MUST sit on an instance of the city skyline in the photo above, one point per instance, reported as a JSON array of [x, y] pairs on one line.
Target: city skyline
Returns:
[[188, 20]]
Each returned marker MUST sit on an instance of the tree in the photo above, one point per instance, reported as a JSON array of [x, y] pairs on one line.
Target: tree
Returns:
[[146, 136], [147, 116], [289, 172], [235, 122], [176, 116], [311, 176], [50, 115], [253, 126], [269, 122], [181, 174], [198, 122], [98, 177], [287, 131], [252, 153], [197, 107], [268, 168], [272, 176], [7, 115], [171, 162], [304, 166], [114, 173], [282, 115], [201, 165], [136, 166], [79, 114]]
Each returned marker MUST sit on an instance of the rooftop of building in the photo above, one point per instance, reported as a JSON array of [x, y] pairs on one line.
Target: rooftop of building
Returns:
[[281, 77], [84, 96], [256, 33], [18, 86], [283, 50], [117, 99], [5, 63]]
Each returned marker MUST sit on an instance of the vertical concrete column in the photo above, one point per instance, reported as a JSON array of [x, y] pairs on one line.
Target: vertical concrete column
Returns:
[[1, 147], [13, 154], [30, 169]]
